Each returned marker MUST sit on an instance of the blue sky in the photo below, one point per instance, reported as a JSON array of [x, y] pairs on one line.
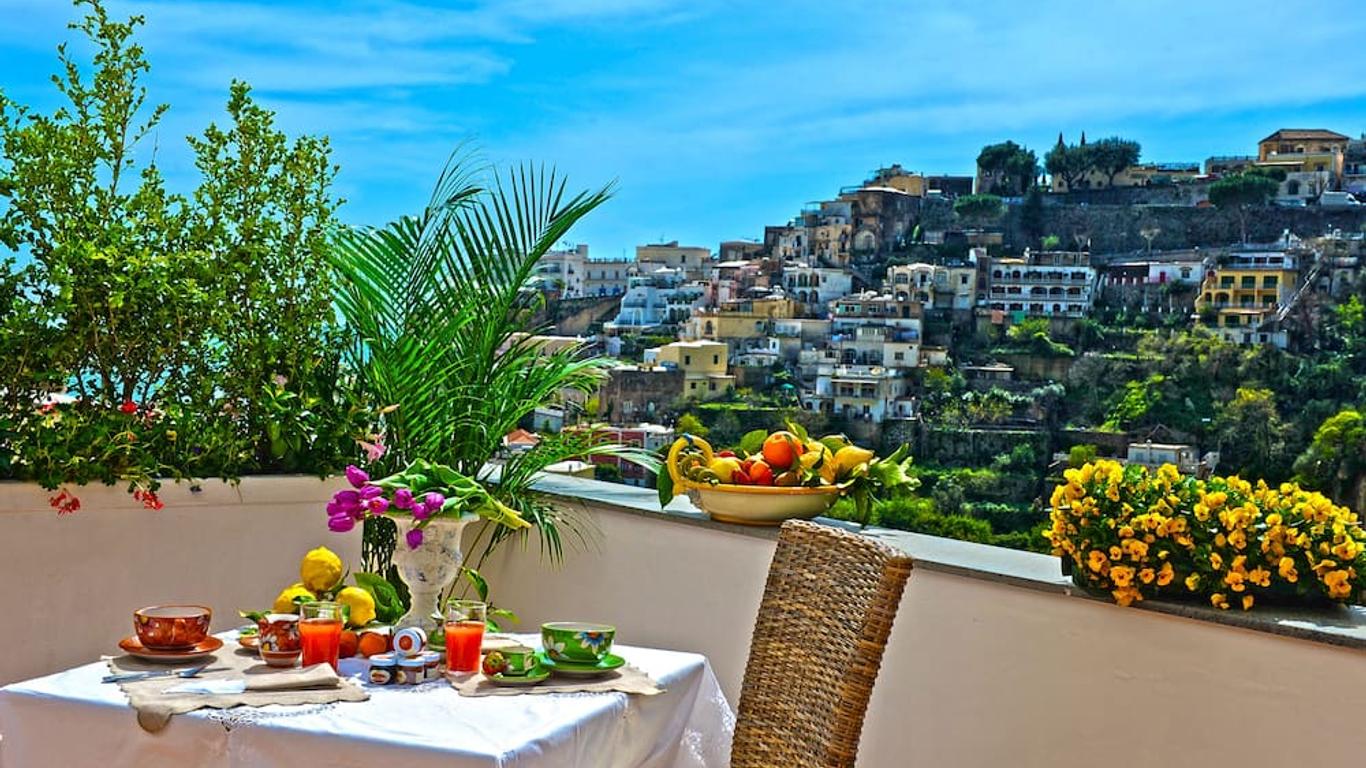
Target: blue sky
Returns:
[[717, 118]]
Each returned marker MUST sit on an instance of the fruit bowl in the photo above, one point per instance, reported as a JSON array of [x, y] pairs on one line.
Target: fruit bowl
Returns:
[[761, 505]]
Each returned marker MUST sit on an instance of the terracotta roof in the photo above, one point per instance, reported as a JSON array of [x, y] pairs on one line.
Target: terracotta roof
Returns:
[[521, 437], [1291, 134]]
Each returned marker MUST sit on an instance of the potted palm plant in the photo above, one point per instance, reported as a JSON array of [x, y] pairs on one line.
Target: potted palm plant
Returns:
[[443, 328]]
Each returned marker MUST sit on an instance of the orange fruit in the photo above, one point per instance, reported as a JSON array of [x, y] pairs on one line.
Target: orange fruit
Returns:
[[760, 473], [372, 643], [349, 644], [781, 449]]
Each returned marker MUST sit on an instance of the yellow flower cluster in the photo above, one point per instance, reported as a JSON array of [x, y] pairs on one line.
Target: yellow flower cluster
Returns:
[[1137, 534]]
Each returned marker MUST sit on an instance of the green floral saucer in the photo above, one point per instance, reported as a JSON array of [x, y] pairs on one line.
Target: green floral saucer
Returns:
[[581, 669], [537, 675]]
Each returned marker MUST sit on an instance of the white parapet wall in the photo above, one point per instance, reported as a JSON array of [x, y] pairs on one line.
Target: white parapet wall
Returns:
[[979, 671], [69, 584]]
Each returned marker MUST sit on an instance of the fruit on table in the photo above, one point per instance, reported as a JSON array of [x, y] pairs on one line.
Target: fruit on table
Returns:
[[284, 602], [849, 457], [724, 467], [781, 449], [372, 643], [760, 473], [320, 570], [350, 643], [361, 603], [494, 663]]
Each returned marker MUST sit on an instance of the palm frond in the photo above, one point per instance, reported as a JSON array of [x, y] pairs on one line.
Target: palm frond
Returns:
[[437, 301]]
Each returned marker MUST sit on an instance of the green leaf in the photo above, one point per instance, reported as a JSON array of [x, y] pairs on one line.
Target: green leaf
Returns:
[[835, 442], [481, 586], [797, 430], [664, 483], [388, 606], [753, 441]]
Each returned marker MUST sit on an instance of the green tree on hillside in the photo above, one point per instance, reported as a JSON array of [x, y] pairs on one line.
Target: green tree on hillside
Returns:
[[978, 210], [689, 424], [1111, 156], [1251, 435], [1013, 167], [1069, 163], [1240, 194], [1335, 461]]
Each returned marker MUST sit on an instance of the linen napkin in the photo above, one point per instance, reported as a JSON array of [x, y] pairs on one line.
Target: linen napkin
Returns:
[[243, 680], [269, 679]]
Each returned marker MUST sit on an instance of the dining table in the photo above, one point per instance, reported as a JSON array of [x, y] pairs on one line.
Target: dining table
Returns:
[[70, 718]]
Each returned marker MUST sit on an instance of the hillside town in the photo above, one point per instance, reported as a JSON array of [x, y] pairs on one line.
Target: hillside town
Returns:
[[1004, 324]]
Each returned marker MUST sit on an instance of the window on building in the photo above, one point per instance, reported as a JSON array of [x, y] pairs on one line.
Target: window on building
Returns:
[[687, 359], [1270, 281], [899, 356], [715, 359], [1249, 282], [692, 385], [711, 385]]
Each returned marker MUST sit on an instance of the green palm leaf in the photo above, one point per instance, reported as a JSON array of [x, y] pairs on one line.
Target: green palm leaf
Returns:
[[442, 319]]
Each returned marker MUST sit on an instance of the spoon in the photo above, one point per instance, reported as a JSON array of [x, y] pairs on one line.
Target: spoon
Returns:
[[128, 677]]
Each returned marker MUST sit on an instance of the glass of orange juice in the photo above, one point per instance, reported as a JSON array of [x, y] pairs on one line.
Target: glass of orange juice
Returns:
[[320, 628], [464, 634]]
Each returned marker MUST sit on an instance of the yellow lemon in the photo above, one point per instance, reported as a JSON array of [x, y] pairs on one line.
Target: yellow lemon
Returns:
[[321, 570], [849, 457], [284, 603], [724, 467], [361, 603]]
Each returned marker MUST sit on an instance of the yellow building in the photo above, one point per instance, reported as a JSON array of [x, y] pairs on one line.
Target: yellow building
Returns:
[[1138, 175], [899, 179], [704, 365], [1239, 299], [1297, 144], [741, 319]]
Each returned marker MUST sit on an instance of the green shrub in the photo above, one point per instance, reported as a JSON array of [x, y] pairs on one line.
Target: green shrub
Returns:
[[194, 331]]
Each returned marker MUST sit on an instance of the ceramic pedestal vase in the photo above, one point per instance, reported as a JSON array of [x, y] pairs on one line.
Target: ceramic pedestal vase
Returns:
[[430, 569]]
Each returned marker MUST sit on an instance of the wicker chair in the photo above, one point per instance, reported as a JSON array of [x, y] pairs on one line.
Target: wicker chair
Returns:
[[828, 607]]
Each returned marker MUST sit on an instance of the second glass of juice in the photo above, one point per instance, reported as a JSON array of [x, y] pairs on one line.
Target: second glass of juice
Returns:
[[464, 634], [320, 628]]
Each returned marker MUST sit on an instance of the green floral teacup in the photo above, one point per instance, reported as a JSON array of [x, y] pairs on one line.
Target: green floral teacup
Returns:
[[576, 641], [520, 660]]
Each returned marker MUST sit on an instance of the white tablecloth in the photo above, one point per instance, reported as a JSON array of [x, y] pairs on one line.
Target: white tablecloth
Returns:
[[71, 719]]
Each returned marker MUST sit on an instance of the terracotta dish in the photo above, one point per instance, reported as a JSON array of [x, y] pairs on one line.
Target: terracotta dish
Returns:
[[172, 627]]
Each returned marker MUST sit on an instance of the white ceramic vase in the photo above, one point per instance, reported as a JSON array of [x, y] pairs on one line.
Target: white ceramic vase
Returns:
[[430, 569]]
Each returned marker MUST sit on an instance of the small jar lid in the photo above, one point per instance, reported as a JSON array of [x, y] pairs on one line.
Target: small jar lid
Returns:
[[383, 660], [412, 661]]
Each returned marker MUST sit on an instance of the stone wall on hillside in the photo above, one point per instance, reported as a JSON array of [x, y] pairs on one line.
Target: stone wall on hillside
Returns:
[[1116, 228]]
